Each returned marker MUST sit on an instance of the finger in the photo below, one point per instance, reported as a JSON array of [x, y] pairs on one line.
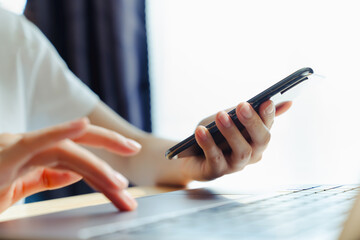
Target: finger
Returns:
[[258, 132], [47, 137], [282, 108], [215, 164], [42, 179], [110, 140], [241, 150], [69, 156], [267, 113], [34, 142]]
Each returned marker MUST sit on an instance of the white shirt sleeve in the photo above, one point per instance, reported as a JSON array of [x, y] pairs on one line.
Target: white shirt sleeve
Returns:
[[57, 95], [52, 93]]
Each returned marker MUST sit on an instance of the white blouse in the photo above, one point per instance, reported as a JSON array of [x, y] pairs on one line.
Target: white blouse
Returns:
[[37, 89]]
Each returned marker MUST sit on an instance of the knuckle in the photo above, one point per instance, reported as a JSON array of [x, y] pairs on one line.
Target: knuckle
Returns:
[[257, 159], [241, 159], [24, 141], [214, 168], [266, 138], [239, 167], [237, 164], [217, 159]]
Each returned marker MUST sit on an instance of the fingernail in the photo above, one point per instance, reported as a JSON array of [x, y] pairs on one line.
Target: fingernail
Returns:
[[130, 201], [133, 144], [123, 182], [270, 109], [246, 111], [202, 133], [224, 119]]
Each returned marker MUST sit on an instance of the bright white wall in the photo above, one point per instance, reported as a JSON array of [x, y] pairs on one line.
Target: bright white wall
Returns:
[[208, 55]]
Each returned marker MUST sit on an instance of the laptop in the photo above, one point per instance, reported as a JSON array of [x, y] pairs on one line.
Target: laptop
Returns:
[[306, 212]]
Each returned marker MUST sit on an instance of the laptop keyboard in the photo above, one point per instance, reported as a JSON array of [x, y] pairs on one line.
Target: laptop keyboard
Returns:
[[316, 212]]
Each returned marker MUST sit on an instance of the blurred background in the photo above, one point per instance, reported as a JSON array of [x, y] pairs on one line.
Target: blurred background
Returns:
[[208, 55]]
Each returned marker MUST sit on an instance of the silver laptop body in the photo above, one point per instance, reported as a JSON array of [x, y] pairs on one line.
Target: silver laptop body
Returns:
[[309, 212]]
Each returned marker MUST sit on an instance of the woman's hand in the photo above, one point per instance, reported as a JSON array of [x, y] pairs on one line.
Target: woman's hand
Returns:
[[51, 158], [246, 148]]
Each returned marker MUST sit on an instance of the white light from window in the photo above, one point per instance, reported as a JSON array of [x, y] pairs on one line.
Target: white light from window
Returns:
[[208, 55]]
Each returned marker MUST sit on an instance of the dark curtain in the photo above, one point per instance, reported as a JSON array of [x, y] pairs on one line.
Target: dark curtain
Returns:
[[104, 43]]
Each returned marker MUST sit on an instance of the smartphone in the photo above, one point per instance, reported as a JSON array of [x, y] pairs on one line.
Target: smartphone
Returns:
[[189, 146]]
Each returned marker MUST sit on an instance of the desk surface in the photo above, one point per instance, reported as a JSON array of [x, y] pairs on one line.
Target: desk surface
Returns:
[[57, 205]]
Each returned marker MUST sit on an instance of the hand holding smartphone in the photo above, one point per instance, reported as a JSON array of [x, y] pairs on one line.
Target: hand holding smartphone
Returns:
[[189, 146]]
